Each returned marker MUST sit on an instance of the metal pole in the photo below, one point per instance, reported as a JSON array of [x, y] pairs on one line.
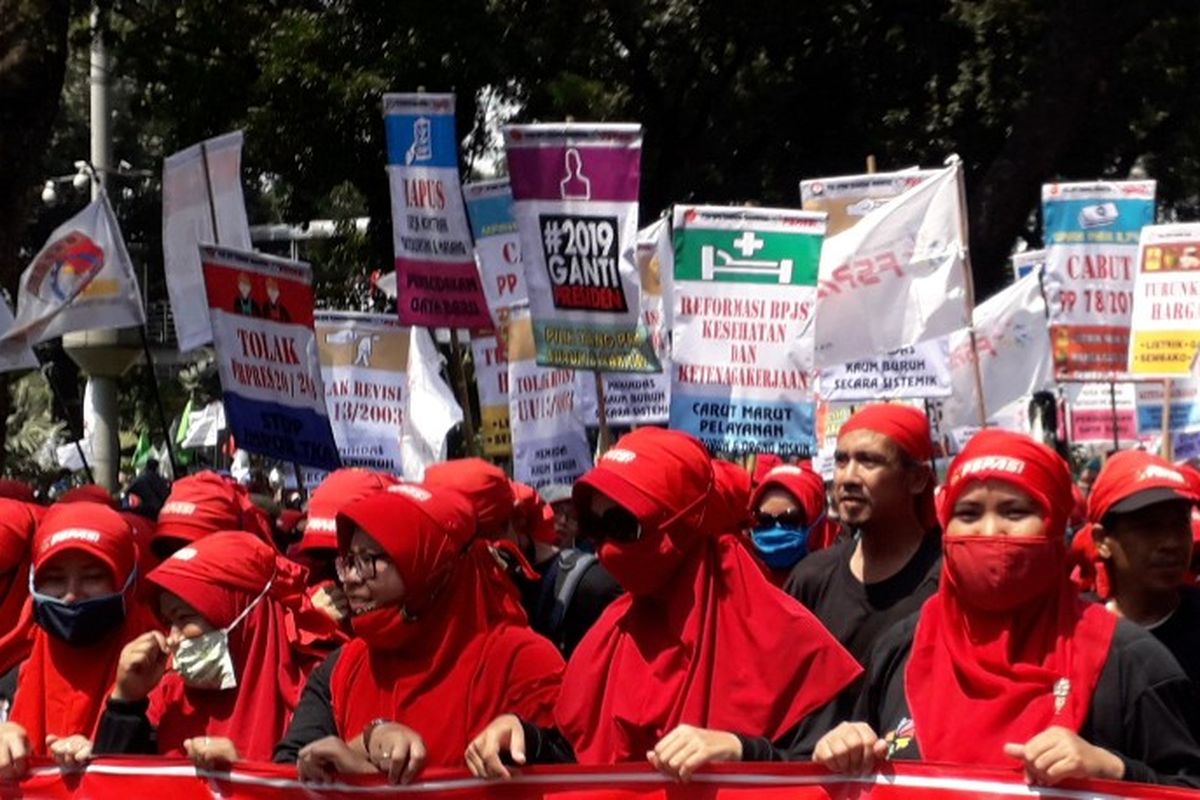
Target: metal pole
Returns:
[[158, 403], [604, 440], [1112, 396], [464, 395]]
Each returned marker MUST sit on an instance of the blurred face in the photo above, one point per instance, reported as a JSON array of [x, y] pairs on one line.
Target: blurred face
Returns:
[[872, 480], [368, 576], [566, 522], [185, 622], [1148, 549], [995, 508], [73, 575], [778, 506]]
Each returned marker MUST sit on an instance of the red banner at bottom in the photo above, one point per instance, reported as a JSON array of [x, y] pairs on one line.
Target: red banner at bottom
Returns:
[[177, 780]]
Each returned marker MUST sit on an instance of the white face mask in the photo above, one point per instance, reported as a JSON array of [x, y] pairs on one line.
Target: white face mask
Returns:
[[204, 661]]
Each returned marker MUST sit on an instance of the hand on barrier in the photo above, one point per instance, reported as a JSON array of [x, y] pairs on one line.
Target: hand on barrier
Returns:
[[14, 752], [215, 753], [1057, 753], [322, 760], [503, 735], [851, 748], [684, 750], [398, 751], [69, 752]]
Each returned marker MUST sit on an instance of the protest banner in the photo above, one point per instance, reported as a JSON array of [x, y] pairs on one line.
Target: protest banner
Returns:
[[121, 778], [497, 246], [13, 355], [1165, 323], [575, 192], [364, 362], [549, 437], [1091, 232], [261, 311], [204, 426], [1026, 262], [1013, 351], [490, 355], [202, 202], [81, 279], [1092, 408], [645, 399], [897, 277], [1184, 404], [437, 281], [916, 372], [849, 198], [744, 290]]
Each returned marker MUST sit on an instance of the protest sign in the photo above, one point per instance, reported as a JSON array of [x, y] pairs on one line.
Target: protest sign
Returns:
[[201, 187], [919, 371], [1091, 411], [575, 189], [1028, 261], [549, 438], [364, 362], [497, 246], [1165, 324], [1091, 232], [437, 282], [744, 288], [849, 198], [1185, 407], [490, 355], [897, 277], [261, 311]]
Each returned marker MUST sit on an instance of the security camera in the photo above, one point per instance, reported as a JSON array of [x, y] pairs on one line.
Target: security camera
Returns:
[[81, 180], [49, 195]]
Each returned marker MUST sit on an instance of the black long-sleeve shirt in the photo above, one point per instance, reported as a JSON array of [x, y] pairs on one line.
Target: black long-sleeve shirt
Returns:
[[313, 718], [1143, 708]]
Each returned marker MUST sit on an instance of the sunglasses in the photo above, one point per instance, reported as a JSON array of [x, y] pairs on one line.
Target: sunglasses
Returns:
[[616, 525], [788, 519]]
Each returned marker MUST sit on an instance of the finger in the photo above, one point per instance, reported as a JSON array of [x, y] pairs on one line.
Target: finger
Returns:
[[416, 760], [19, 755], [398, 761], [516, 742], [51, 739], [880, 749], [667, 741], [492, 764], [1014, 750], [681, 755], [472, 760], [652, 757], [694, 762]]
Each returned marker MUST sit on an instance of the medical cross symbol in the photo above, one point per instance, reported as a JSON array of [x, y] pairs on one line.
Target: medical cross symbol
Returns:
[[748, 243]]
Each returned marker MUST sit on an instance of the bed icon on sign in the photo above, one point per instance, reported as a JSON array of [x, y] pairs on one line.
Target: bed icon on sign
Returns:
[[719, 265], [1099, 215]]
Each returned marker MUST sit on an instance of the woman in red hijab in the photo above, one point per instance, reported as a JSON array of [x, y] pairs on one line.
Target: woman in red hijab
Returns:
[[790, 519], [203, 504], [435, 654], [17, 524], [86, 606], [701, 643], [1005, 666], [239, 648]]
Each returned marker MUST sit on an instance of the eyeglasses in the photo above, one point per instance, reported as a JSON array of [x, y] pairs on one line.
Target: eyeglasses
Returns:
[[788, 519], [365, 565], [616, 524]]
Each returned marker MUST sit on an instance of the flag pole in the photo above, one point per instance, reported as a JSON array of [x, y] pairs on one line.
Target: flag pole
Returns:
[[1166, 449], [61, 405], [604, 440], [158, 403], [969, 282], [464, 393]]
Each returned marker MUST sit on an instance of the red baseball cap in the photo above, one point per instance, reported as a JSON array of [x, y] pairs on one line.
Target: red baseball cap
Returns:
[[92, 528], [1134, 479], [198, 505], [339, 489]]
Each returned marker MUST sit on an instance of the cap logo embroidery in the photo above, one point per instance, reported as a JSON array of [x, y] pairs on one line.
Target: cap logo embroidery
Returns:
[[322, 524], [1155, 471], [72, 534], [619, 455], [786, 469], [185, 553], [180, 507], [408, 490], [1013, 466]]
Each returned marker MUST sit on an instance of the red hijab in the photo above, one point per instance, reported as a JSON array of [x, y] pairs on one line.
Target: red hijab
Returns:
[[17, 490], [532, 515], [807, 488], [977, 680], [340, 488], [450, 661], [89, 493], [908, 428], [205, 503], [17, 524], [676, 648], [62, 688], [220, 576]]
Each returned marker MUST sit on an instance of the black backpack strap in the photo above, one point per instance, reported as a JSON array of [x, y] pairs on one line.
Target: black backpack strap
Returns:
[[572, 566]]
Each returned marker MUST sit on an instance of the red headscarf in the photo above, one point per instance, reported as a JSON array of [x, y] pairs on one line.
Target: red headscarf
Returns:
[[1125, 474], [764, 463], [62, 688], [728, 509], [16, 490], [450, 662], [339, 489], [908, 427], [532, 515], [89, 493], [17, 524], [675, 649], [1000, 670], [808, 490], [220, 576], [205, 503]]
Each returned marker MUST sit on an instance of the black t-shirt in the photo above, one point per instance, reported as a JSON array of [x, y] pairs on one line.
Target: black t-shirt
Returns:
[[1181, 633], [857, 613], [596, 589], [1143, 708]]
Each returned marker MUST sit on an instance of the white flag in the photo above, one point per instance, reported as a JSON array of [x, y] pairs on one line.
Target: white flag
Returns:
[[1013, 342], [432, 409], [13, 356], [200, 183], [896, 277], [80, 280]]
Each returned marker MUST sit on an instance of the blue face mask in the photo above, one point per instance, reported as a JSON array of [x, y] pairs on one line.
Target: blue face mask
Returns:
[[83, 622], [782, 547]]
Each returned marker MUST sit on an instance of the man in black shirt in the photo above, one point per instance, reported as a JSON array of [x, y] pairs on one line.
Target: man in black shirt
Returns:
[[884, 494], [1141, 513]]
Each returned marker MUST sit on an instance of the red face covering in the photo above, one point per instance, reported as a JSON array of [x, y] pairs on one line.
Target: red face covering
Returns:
[[1006, 630], [220, 576], [808, 489], [675, 649], [453, 661], [17, 523], [909, 429], [62, 687]]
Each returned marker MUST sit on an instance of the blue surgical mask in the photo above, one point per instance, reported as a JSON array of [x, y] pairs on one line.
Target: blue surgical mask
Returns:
[[83, 622], [782, 547]]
